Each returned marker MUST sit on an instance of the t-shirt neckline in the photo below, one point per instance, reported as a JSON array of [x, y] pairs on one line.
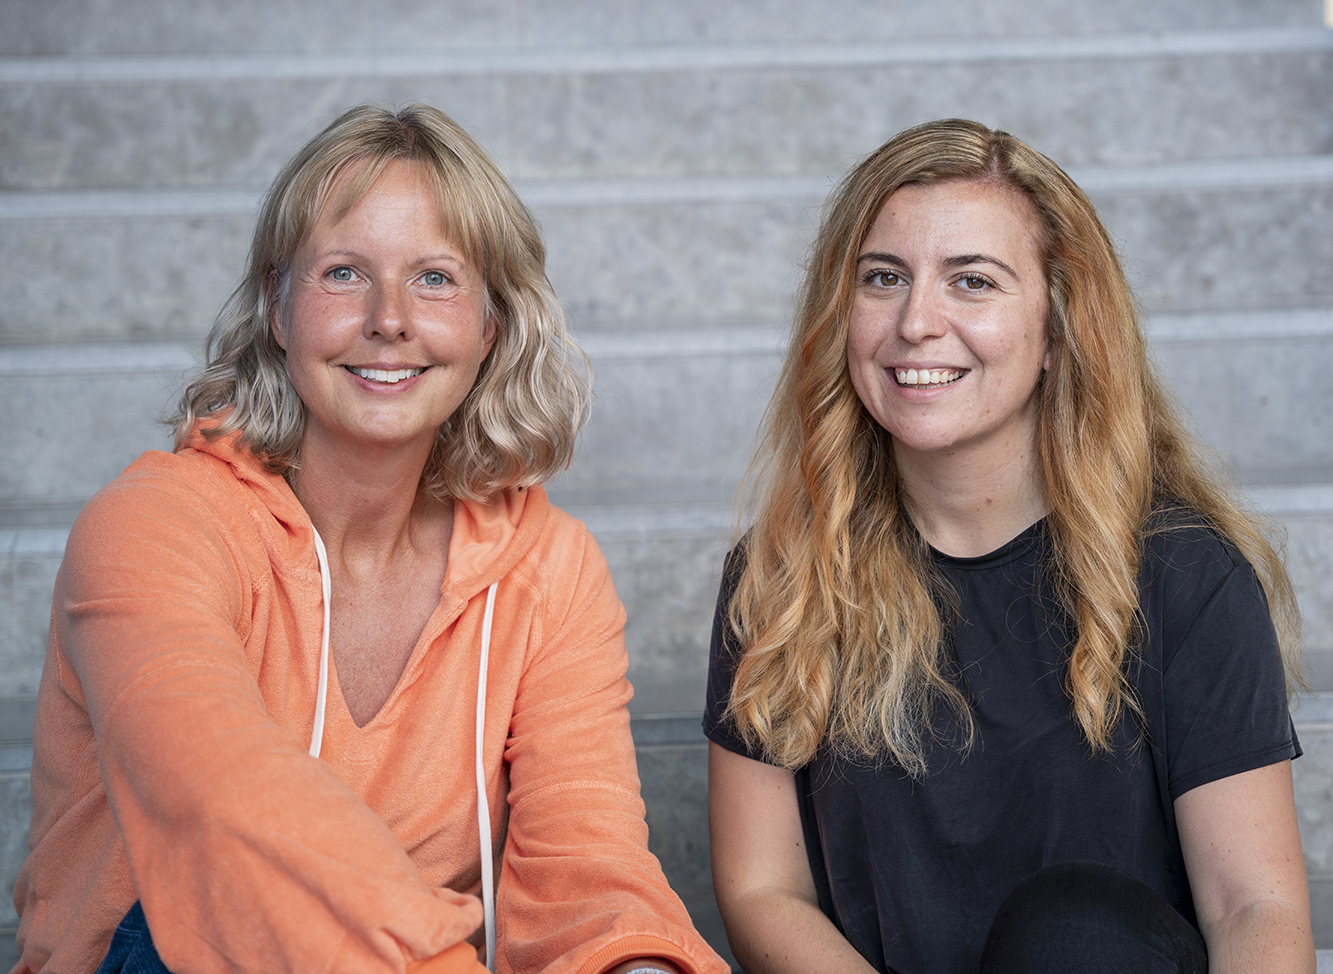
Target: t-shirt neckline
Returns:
[[1013, 549]]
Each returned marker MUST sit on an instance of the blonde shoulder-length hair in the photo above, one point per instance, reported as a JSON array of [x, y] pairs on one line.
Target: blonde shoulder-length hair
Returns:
[[837, 609], [517, 425]]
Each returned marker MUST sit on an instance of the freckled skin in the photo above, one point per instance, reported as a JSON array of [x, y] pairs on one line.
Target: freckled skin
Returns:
[[385, 287], [921, 303]]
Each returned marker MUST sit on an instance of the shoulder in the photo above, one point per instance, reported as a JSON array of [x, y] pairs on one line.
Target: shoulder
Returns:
[[162, 492], [1183, 558], [1193, 581], [180, 509], [1180, 538], [554, 555], [566, 552]]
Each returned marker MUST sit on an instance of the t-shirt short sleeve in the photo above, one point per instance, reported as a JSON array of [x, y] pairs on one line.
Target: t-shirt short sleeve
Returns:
[[1224, 690], [724, 656]]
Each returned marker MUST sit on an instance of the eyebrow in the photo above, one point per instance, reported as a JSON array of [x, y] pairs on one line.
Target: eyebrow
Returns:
[[881, 258], [962, 260], [457, 262], [444, 258]]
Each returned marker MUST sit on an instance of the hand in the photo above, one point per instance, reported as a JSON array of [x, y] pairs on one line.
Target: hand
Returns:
[[642, 962]]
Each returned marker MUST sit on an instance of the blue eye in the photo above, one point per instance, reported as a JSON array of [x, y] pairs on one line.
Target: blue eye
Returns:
[[434, 279], [343, 274]]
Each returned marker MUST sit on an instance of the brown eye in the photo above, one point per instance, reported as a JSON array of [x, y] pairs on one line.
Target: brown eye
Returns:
[[883, 279]]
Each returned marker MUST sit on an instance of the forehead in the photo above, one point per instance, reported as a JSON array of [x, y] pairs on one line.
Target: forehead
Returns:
[[359, 198], [350, 188], [961, 213]]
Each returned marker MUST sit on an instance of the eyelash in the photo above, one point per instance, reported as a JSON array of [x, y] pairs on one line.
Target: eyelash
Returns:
[[334, 271], [975, 277], [873, 276], [870, 278]]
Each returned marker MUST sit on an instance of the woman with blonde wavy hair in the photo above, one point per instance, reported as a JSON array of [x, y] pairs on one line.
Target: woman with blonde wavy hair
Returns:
[[332, 687], [999, 674]]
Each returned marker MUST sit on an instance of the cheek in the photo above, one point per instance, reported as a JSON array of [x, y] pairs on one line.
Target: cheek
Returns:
[[863, 341], [866, 376]]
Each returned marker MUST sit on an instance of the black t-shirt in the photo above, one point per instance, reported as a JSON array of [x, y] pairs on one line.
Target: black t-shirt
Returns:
[[912, 872]]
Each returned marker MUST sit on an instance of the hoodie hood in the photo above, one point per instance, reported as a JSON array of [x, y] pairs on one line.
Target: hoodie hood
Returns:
[[489, 538]]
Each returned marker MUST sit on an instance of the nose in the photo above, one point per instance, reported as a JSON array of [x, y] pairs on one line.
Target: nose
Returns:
[[922, 316], [389, 315]]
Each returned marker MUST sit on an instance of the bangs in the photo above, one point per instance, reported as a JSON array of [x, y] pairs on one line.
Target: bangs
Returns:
[[347, 185]]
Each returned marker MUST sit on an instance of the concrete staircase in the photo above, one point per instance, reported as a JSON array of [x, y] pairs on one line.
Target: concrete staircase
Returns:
[[676, 156]]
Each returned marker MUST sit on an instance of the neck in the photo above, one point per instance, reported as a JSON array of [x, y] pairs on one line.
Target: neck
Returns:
[[965, 505], [366, 504]]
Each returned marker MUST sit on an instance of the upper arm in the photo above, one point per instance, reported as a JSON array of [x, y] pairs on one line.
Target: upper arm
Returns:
[[222, 813], [578, 881], [755, 830], [1242, 851]]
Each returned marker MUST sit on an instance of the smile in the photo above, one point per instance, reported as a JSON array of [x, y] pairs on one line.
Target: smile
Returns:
[[380, 375], [927, 378]]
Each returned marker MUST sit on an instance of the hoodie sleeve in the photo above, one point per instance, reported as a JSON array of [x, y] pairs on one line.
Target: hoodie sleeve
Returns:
[[247, 853], [579, 890]]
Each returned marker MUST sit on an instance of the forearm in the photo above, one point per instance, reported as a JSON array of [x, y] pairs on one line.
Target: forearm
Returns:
[[761, 875], [1247, 874], [776, 932], [580, 890], [1265, 937]]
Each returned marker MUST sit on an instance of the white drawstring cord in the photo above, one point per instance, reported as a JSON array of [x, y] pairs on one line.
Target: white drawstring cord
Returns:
[[322, 696], [483, 803]]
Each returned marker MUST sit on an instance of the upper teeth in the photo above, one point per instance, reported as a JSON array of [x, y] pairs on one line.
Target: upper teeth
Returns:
[[380, 375], [927, 377]]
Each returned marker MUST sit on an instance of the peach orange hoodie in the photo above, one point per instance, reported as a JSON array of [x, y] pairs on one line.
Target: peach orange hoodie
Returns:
[[171, 758]]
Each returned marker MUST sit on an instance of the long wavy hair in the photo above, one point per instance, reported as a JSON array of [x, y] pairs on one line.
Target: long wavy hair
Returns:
[[517, 425], [838, 607]]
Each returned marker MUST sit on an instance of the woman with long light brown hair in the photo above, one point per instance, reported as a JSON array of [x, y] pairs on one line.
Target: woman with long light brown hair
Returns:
[[1000, 672]]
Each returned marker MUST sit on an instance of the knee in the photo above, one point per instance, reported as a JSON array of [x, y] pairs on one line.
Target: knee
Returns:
[[1084, 916]]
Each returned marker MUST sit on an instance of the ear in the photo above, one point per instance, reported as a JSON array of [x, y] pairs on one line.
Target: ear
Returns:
[[488, 334], [275, 322]]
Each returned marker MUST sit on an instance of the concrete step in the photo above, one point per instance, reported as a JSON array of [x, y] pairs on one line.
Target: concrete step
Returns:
[[656, 469], [84, 27], [666, 560], [1313, 778], [1121, 99], [79, 414], [648, 254], [673, 768], [1252, 383]]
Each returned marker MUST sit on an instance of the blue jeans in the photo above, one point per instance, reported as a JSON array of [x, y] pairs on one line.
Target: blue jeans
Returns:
[[132, 950], [1090, 918]]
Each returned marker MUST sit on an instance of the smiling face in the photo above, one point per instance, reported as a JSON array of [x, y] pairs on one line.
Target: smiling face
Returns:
[[947, 337], [384, 322]]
